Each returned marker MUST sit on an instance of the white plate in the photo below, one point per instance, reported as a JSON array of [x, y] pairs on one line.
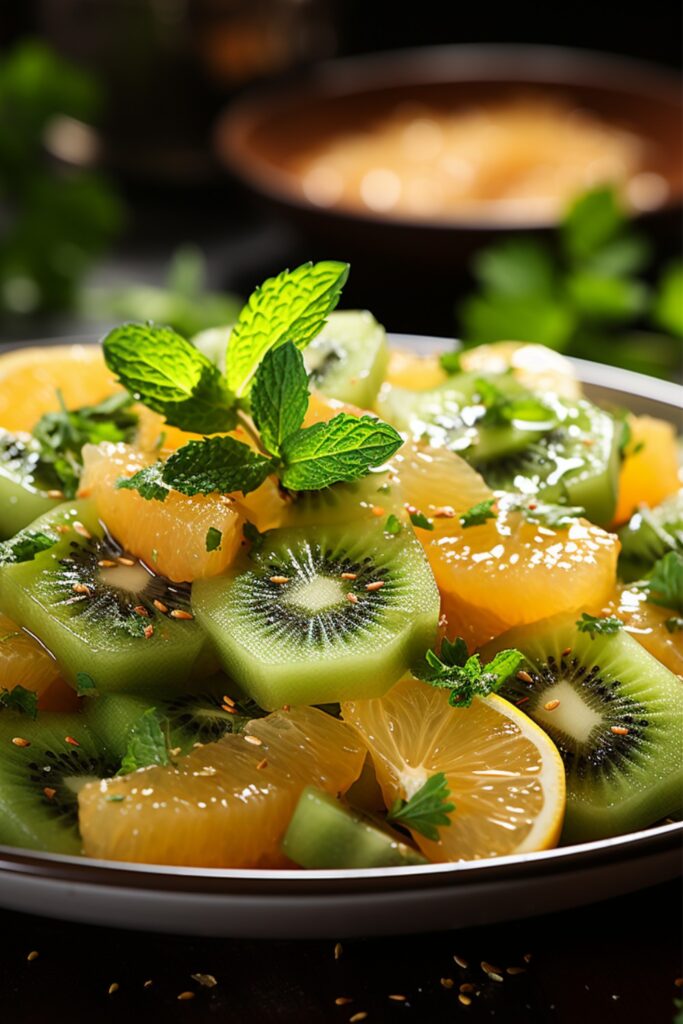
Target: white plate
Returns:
[[332, 904]]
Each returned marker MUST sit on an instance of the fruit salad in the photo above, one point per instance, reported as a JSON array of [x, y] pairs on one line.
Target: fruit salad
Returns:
[[282, 596]]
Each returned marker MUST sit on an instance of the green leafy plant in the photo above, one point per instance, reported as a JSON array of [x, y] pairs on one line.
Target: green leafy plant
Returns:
[[583, 294], [464, 675], [265, 387], [428, 809]]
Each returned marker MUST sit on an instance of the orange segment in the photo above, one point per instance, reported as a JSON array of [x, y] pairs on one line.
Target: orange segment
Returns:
[[226, 804], [649, 473], [510, 571], [413, 371], [505, 776], [170, 535], [436, 480], [647, 624], [23, 661], [30, 379], [536, 367]]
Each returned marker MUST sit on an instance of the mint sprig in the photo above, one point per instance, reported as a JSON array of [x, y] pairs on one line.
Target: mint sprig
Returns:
[[170, 376], [290, 307], [279, 397], [464, 675], [147, 744], [344, 448], [427, 810], [599, 625], [216, 464]]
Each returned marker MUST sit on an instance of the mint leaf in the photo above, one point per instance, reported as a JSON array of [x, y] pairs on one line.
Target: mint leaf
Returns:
[[599, 625], [170, 376], [665, 583], [344, 448], [479, 513], [420, 520], [20, 699], [599, 298], [490, 317], [592, 220], [215, 465], [85, 685], [453, 652], [25, 546], [290, 307], [279, 397], [147, 744], [148, 482], [450, 362], [214, 539], [427, 810], [467, 679], [515, 267], [668, 309], [393, 525]]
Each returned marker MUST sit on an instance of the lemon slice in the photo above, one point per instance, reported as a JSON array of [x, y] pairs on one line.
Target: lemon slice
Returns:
[[505, 775]]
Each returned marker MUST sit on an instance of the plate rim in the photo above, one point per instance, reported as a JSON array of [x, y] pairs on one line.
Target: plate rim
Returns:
[[658, 839]]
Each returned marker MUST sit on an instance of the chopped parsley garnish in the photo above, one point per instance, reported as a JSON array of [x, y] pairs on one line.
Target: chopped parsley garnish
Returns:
[[20, 699], [479, 513], [85, 685], [596, 625], [427, 810], [147, 744], [393, 525], [25, 546], [420, 520], [213, 539]]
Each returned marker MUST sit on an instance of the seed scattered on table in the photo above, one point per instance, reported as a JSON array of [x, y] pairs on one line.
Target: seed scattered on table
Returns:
[[338, 950], [461, 962], [184, 996], [447, 983], [33, 955], [398, 998], [114, 987], [357, 1017], [465, 1000], [207, 980], [343, 1000], [494, 973], [148, 983], [515, 970]]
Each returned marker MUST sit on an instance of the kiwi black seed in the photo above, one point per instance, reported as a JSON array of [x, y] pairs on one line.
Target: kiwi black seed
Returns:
[[615, 714], [100, 610]]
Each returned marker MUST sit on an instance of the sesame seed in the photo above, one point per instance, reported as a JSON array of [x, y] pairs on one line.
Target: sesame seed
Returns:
[[261, 765], [279, 579], [515, 970], [461, 962], [447, 983], [19, 741], [285, 707], [254, 740], [141, 610], [465, 1000], [467, 986], [362, 1015], [55, 494], [49, 792], [114, 987], [184, 996], [527, 958], [80, 588], [377, 510], [106, 563], [338, 950], [352, 599], [442, 511], [148, 631], [494, 973], [228, 700], [398, 998], [566, 652], [71, 741], [349, 575], [80, 528], [160, 606], [229, 708], [551, 705], [180, 613], [524, 676], [377, 585], [343, 1000], [33, 955], [148, 983], [62, 528], [206, 980], [619, 730], [125, 561]]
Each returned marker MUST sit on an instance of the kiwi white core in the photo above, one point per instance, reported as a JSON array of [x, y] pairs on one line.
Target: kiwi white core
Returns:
[[133, 578], [572, 715], [316, 594]]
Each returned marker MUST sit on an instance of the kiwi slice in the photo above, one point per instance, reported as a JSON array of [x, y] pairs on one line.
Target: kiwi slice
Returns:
[[321, 614], [325, 833], [616, 716], [98, 609], [43, 764], [373, 497], [203, 716], [349, 358], [25, 483], [650, 534]]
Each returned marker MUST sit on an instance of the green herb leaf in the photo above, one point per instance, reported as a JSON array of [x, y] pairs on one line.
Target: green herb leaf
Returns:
[[147, 744], [664, 583], [148, 482], [599, 625], [215, 465], [592, 220], [427, 810], [489, 317], [479, 513], [170, 376], [342, 449], [290, 307], [668, 309], [450, 362], [392, 525], [515, 267], [25, 546], [466, 677], [20, 699], [420, 520], [453, 652], [214, 539], [279, 397], [85, 685], [600, 298]]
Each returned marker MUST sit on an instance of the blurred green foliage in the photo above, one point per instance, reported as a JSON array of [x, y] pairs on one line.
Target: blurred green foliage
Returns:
[[584, 294], [54, 219]]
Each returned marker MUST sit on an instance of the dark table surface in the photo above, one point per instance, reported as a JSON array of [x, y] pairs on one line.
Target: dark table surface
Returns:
[[613, 963]]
